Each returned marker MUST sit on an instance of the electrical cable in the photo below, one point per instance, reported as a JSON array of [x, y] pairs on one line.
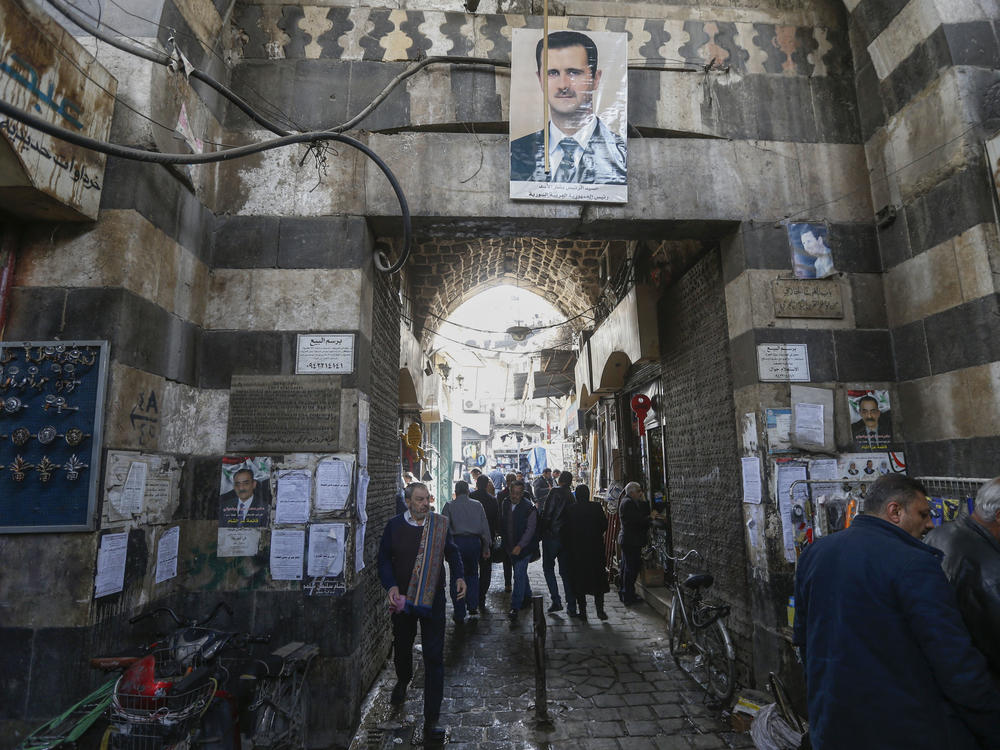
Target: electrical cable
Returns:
[[500, 333], [74, 14], [137, 154], [83, 71], [413, 69], [482, 348], [276, 111], [162, 58], [381, 262]]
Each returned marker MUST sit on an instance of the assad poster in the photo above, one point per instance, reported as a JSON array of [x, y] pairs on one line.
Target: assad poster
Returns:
[[585, 85]]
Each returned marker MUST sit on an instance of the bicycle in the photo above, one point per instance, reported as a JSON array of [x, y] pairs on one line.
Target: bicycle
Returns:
[[264, 697], [699, 642], [189, 690]]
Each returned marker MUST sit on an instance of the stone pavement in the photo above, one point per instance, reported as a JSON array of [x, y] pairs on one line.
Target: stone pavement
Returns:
[[611, 684]]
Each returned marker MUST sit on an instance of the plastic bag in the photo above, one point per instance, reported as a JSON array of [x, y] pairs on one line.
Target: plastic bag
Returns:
[[771, 732]]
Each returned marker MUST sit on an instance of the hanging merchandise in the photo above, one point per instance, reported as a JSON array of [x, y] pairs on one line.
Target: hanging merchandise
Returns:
[[641, 405], [413, 439]]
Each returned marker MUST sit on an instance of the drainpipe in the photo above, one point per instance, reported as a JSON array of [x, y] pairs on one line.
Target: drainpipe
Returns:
[[7, 256]]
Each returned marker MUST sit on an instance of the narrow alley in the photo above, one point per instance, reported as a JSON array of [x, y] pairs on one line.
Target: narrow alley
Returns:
[[610, 685]]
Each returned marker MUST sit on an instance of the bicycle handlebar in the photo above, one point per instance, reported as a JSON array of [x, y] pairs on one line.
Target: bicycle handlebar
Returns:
[[190, 621], [688, 554]]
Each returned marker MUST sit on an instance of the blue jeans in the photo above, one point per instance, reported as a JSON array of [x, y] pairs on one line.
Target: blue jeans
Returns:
[[469, 547], [521, 594], [551, 551]]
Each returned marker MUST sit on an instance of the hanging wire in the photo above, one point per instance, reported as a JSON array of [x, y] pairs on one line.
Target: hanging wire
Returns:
[[76, 15]]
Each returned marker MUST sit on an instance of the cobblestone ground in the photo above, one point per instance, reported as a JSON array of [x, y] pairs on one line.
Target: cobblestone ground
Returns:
[[611, 684]]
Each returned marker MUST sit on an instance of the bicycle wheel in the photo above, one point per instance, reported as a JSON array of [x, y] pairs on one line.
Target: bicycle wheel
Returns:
[[280, 723], [679, 637], [717, 661]]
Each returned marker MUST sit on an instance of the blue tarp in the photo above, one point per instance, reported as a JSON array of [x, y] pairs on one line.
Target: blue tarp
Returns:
[[537, 459]]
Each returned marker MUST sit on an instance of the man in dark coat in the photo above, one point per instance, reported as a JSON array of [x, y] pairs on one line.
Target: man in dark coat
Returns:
[[519, 525], [398, 554], [583, 550], [552, 517], [634, 512], [492, 508], [502, 557], [542, 485], [888, 661], [971, 548]]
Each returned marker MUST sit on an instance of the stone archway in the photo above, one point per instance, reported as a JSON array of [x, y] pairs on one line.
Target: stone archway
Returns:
[[445, 273]]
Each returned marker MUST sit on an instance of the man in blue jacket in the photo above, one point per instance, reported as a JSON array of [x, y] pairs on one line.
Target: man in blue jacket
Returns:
[[888, 661], [519, 526]]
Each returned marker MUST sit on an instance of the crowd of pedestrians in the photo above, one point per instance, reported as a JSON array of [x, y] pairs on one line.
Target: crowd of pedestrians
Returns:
[[899, 637], [519, 524]]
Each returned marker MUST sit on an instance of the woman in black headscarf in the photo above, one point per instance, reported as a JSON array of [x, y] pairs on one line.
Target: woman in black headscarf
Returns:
[[583, 542]]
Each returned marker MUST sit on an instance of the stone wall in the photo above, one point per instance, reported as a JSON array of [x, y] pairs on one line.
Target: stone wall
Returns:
[[700, 439], [186, 300], [927, 83]]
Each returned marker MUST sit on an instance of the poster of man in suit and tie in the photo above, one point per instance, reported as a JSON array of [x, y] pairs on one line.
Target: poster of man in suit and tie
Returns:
[[245, 493], [583, 83]]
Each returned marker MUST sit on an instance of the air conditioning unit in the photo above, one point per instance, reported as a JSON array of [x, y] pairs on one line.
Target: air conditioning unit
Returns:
[[469, 404]]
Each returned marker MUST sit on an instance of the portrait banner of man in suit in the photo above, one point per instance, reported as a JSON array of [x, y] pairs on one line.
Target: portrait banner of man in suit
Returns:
[[585, 85], [245, 493], [871, 419]]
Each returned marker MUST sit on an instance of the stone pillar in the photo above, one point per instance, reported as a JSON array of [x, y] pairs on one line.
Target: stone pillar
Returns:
[[927, 81]]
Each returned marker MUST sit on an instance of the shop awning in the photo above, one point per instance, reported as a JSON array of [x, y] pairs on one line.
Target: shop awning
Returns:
[[555, 377]]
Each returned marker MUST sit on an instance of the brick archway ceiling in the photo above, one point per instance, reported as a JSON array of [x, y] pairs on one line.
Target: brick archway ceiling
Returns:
[[445, 273]]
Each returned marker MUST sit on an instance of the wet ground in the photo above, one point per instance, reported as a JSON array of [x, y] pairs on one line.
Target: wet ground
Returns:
[[611, 684]]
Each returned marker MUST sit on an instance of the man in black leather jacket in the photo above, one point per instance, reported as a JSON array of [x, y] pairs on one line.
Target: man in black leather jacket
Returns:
[[971, 549], [635, 519], [552, 518], [492, 507]]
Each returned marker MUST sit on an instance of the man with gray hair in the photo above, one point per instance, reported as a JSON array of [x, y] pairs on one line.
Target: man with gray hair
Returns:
[[634, 513], [971, 547], [470, 528]]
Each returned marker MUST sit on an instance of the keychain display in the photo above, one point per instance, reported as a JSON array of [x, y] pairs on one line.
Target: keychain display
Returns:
[[51, 412]]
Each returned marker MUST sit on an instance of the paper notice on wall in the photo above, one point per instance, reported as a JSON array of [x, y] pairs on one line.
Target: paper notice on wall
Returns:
[[824, 468], [293, 496], [749, 425], [779, 428], [809, 423], [364, 417], [333, 483], [166, 554], [287, 554], [132, 494], [791, 508], [751, 479], [754, 519], [238, 542], [110, 577], [326, 549], [362, 495], [753, 532], [359, 547]]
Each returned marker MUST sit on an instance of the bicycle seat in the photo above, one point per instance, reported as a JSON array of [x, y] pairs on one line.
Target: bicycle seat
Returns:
[[698, 581]]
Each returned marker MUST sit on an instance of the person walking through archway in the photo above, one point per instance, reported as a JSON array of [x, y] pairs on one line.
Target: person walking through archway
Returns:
[[583, 552], [552, 518], [492, 508]]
